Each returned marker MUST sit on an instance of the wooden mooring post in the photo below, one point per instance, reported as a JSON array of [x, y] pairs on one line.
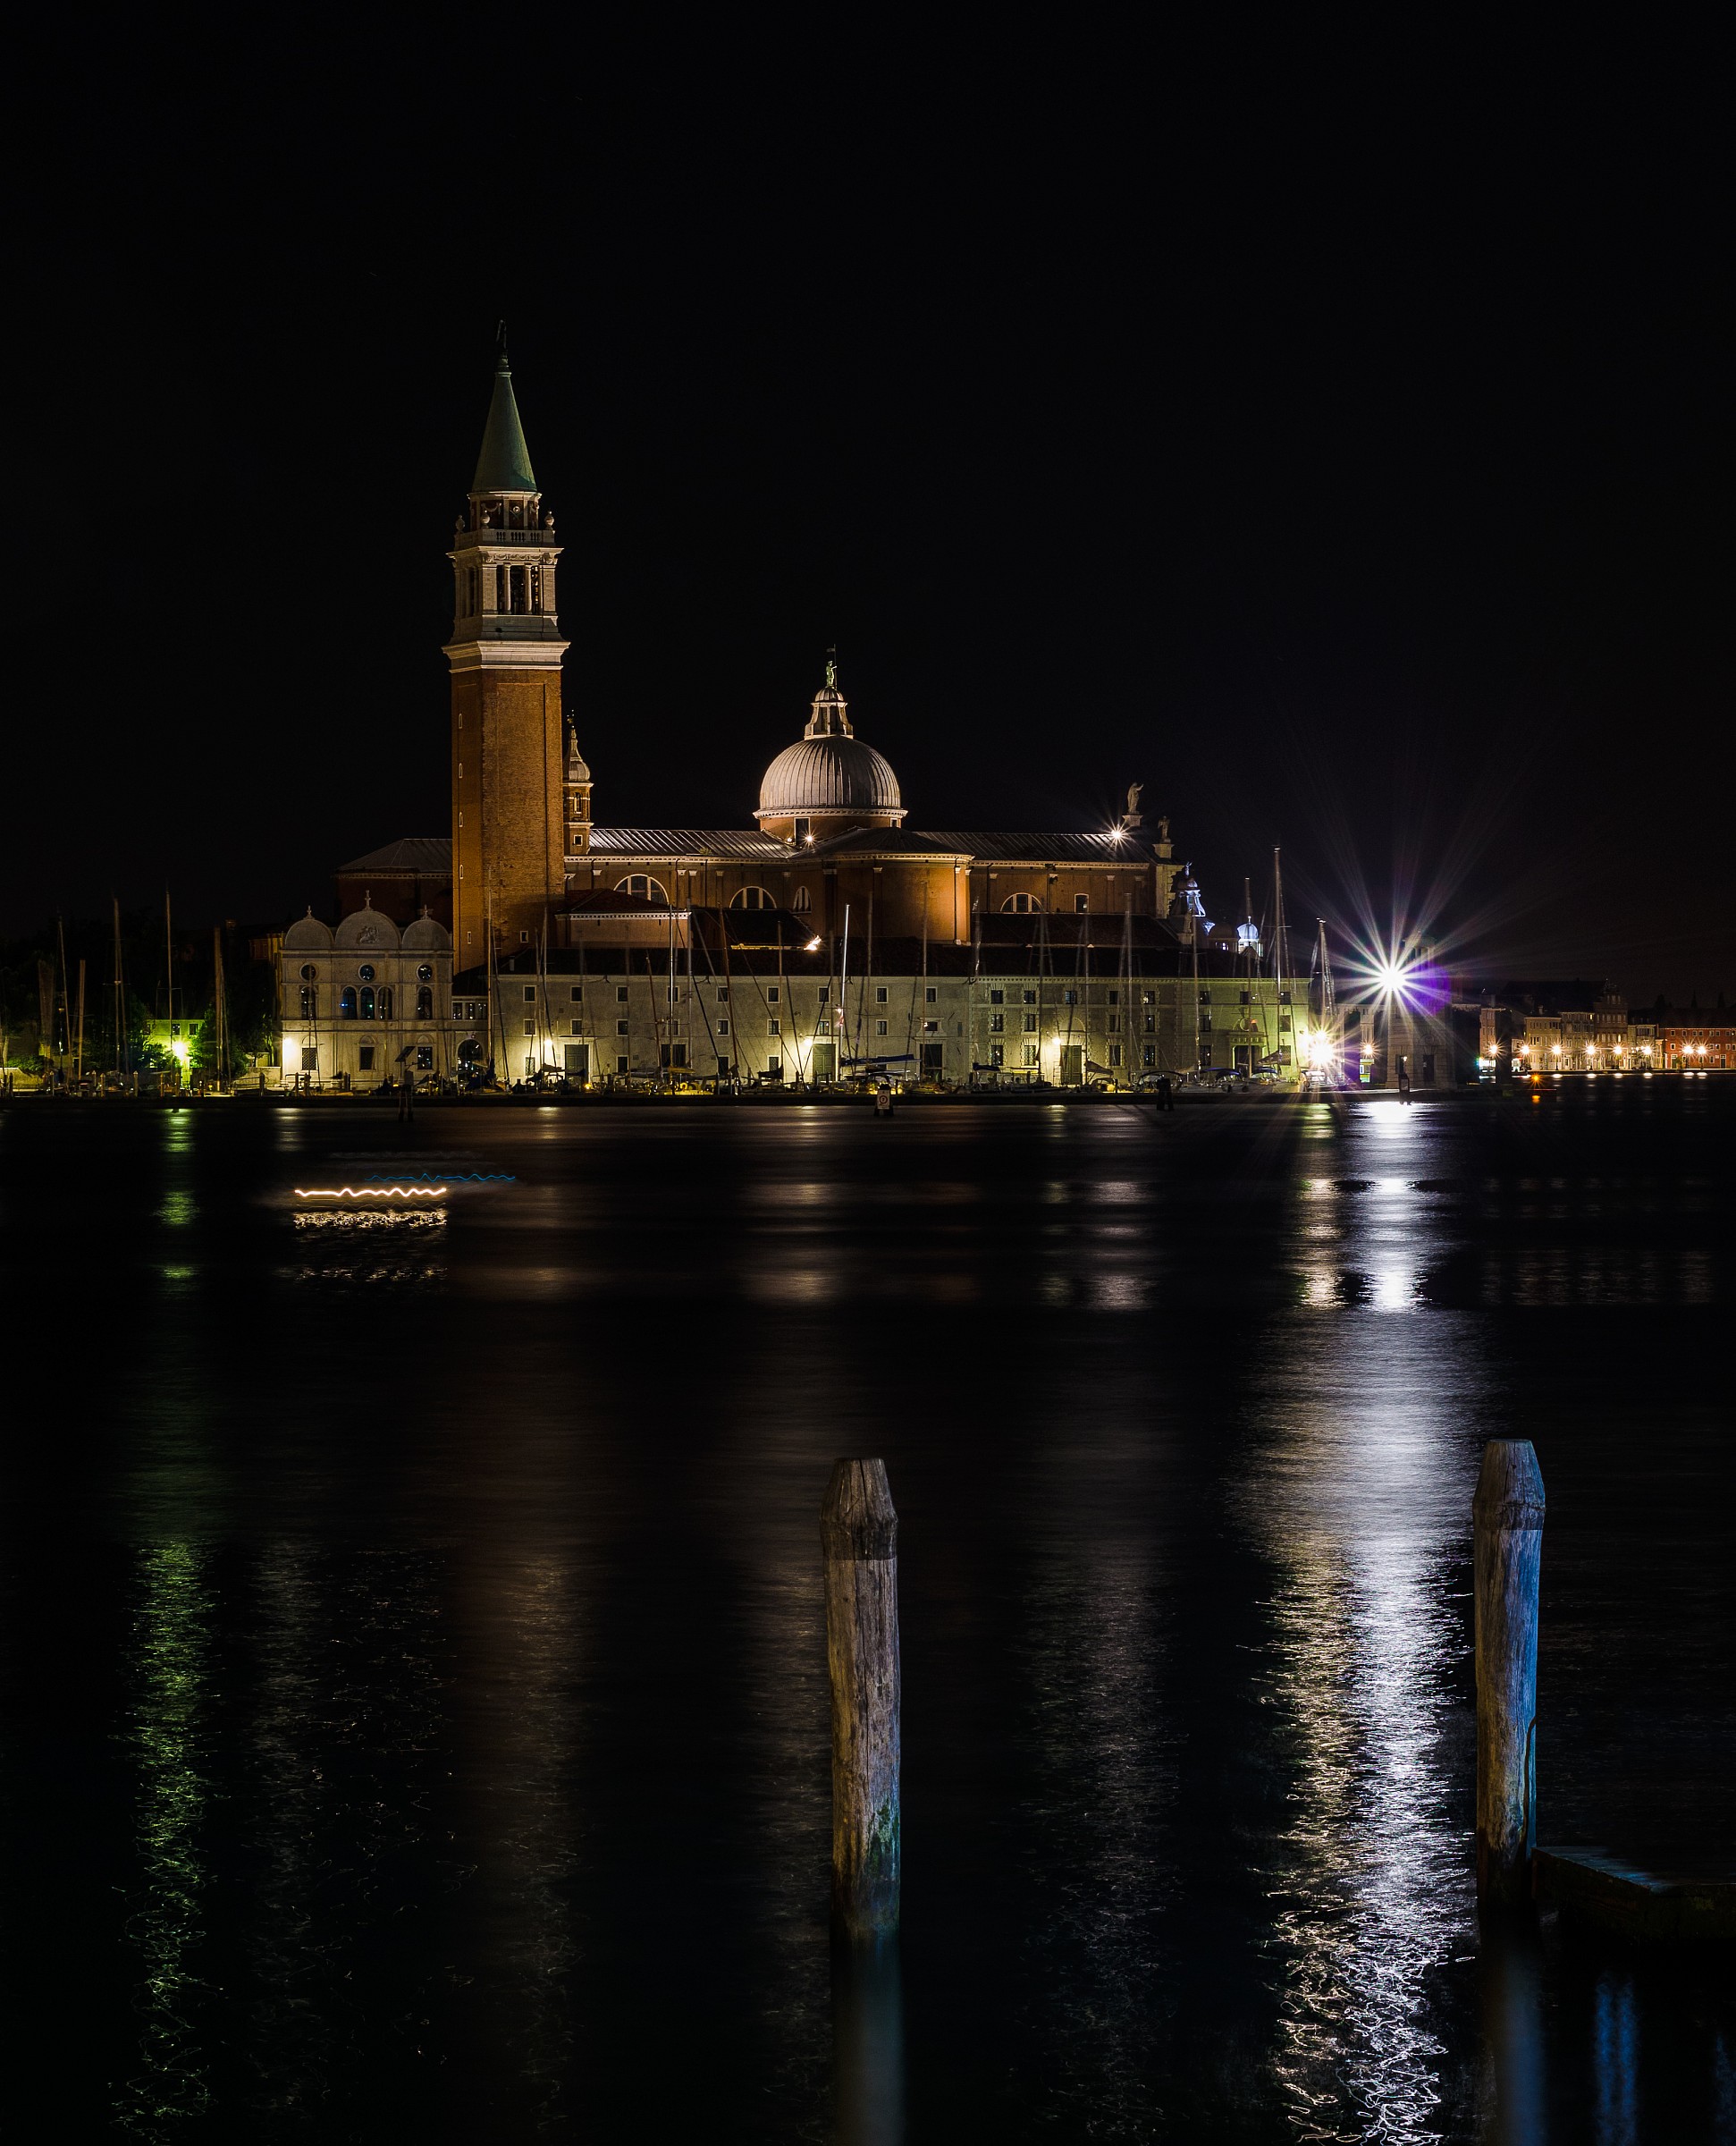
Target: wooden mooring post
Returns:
[[1508, 1514], [859, 1534]]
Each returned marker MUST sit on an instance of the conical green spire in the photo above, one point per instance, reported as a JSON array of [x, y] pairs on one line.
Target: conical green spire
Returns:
[[504, 464]]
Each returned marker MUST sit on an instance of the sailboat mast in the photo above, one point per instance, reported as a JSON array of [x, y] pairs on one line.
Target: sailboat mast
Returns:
[[1277, 950], [64, 1026], [844, 989], [120, 997], [220, 1010]]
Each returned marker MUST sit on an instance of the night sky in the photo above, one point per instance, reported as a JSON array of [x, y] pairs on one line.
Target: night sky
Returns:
[[1323, 422]]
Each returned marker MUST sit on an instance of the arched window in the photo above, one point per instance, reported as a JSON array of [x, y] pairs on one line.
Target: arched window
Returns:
[[310, 1001], [752, 898], [636, 883], [801, 899], [424, 1004], [368, 1001], [385, 1002], [1021, 905], [347, 1003]]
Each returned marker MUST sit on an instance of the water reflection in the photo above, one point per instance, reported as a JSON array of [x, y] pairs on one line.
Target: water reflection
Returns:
[[1615, 2038], [868, 2068], [168, 1734], [1354, 1498]]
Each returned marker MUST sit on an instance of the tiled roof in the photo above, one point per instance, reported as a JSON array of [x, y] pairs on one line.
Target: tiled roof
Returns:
[[685, 841], [994, 848], [427, 855], [1039, 849]]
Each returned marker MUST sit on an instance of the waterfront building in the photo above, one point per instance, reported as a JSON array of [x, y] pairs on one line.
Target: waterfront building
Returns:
[[829, 939], [1692, 1041]]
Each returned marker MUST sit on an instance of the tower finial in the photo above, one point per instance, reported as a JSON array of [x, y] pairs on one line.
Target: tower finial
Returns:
[[831, 666]]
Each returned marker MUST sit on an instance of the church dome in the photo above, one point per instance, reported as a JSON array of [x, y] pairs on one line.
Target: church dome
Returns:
[[829, 775]]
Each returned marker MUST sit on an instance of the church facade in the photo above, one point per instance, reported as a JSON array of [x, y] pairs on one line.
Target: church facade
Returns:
[[831, 939]]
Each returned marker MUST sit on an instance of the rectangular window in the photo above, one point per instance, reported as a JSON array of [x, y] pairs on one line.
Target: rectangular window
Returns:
[[879, 995], [1245, 998], [1115, 1023], [1030, 1024], [530, 994], [928, 994], [620, 1065], [997, 997], [774, 1066], [530, 1025], [1150, 1024], [576, 1027], [673, 992], [621, 1028], [879, 1027], [458, 1010], [773, 1028], [1149, 1054], [723, 1025], [1115, 998], [310, 1057], [1030, 1054], [1283, 998], [773, 995], [1114, 1054], [576, 995], [365, 1058], [1284, 1020], [931, 1028], [1081, 904], [1069, 998], [1148, 998], [997, 1024], [723, 994], [425, 1058], [996, 1054], [1028, 998], [825, 994], [620, 994]]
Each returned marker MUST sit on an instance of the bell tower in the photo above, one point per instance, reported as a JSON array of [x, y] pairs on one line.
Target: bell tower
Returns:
[[508, 774]]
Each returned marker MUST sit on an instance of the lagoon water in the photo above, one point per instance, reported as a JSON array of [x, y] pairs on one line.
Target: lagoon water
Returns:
[[411, 1634]]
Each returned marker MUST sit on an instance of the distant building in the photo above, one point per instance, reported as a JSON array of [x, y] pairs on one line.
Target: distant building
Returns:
[[1688, 1040]]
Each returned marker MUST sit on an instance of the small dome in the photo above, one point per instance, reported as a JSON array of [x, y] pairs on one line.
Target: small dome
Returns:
[[425, 936], [307, 935], [827, 774], [368, 928]]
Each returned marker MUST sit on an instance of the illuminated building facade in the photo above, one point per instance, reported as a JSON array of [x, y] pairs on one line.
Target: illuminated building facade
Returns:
[[830, 937]]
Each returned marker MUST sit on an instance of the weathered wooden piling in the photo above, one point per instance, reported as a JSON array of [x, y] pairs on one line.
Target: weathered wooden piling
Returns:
[[859, 1534], [1508, 1512]]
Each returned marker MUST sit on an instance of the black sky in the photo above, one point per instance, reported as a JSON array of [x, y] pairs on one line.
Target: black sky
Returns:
[[1321, 419]]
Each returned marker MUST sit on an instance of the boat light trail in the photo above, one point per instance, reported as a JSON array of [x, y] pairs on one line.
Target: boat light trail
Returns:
[[369, 1191]]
